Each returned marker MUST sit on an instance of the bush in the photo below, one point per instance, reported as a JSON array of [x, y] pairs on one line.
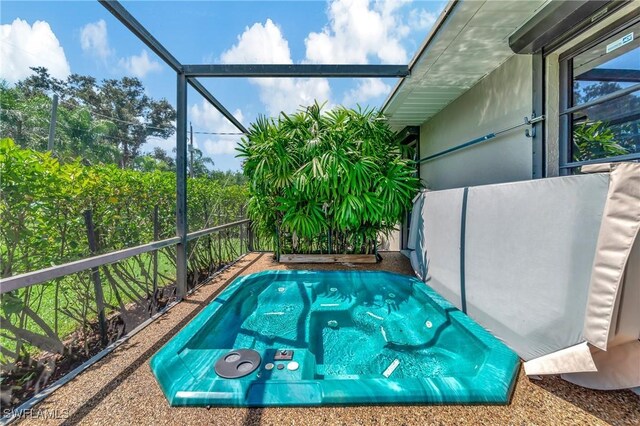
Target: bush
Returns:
[[326, 181], [42, 223], [43, 200]]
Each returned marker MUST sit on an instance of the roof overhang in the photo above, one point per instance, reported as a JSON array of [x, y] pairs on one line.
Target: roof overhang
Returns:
[[560, 21], [469, 40]]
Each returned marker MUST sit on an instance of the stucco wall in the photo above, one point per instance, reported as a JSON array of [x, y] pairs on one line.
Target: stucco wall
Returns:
[[502, 99]]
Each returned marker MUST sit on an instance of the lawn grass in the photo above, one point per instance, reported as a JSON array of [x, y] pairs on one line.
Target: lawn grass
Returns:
[[75, 290]]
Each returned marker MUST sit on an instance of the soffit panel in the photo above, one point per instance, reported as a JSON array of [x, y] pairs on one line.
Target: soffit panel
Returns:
[[471, 44]]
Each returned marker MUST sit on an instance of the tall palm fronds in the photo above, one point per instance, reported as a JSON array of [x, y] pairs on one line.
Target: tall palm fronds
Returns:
[[326, 181]]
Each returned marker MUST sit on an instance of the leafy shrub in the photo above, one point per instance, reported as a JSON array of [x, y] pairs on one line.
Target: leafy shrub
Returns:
[[42, 205], [323, 181], [595, 140], [43, 200]]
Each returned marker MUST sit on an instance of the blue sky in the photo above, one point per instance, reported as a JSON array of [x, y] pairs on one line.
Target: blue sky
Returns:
[[82, 37]]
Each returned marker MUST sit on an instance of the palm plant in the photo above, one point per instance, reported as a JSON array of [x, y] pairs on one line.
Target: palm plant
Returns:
[[326, 182], [595, 140]]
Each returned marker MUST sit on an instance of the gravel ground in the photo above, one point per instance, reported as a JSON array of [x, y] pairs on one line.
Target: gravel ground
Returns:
[[121, 390]]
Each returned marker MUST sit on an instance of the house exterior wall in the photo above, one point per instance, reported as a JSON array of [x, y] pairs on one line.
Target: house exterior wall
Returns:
[[552, 109], [502, 99], [552, 87]]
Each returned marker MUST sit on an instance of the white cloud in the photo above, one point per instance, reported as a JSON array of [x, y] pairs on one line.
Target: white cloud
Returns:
[[208, 119], [358, 30], [366, 90], [23, 46], [265, 44], [212, 147], [289, 94], [93, 40], [420, 19], [259, 44], [139, 65]]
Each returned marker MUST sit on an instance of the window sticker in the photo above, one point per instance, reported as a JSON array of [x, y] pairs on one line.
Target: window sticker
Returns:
[[619, 42]]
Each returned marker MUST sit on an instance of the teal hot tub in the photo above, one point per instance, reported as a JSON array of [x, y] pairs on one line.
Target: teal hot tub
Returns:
[[302, 338]]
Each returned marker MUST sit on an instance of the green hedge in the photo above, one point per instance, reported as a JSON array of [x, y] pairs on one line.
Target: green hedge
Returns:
[[43, 200], [42, 223]]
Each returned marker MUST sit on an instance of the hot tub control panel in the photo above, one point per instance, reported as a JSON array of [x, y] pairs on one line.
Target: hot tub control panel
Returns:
[[283, 355], [286, 364]]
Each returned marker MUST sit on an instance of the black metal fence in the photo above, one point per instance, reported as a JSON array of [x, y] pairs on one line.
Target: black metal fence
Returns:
[[56, 318]]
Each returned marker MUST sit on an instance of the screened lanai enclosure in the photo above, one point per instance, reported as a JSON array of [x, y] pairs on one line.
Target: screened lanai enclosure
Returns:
[[512, 281], [124, 288]]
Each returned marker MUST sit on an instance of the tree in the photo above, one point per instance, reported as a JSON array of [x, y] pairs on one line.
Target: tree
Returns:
[[199, 165], [157, 160], [133, 115], [162, 156], [25, 116], [25, 119], [41, 83], [229, 177], [82, 135]]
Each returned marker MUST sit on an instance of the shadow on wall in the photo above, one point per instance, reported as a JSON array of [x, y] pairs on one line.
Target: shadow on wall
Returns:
[[501, 99]]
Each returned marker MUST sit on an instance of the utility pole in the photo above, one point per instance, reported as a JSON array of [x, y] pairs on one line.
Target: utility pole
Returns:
[[52, 123], [190, 150]]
